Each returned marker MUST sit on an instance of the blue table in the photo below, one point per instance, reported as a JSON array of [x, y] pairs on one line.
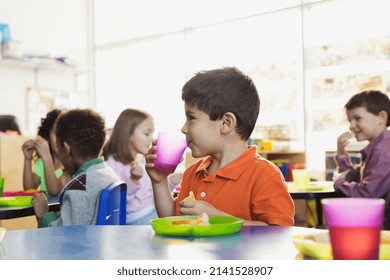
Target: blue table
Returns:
[[140, 243]]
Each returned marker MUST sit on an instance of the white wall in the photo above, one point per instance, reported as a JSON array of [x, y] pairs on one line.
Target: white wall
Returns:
[[144, 51], [147, 54], [44, 27]]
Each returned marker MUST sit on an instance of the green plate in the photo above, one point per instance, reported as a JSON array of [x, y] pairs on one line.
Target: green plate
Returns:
[[15, 201], [219, 225], [318, 245]]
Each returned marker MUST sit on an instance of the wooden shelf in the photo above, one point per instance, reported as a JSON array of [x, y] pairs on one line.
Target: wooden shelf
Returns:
[[40, 65], [293, 157], [286, 152]]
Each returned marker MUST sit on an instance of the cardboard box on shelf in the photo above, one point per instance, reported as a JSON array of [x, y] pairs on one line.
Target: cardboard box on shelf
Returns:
[[11, 168]]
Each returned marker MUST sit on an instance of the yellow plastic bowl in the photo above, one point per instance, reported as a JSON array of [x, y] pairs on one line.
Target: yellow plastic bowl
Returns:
[[318, 245]]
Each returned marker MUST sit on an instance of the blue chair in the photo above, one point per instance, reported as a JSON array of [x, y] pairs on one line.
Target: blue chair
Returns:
[[112, 205]]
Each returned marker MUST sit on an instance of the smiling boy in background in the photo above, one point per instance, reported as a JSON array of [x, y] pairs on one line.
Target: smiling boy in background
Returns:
[[368, 114]]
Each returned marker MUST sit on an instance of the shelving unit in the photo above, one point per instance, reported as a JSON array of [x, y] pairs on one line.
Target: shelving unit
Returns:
[[37, 64], [294, 157], [43, 65], [42, 93]]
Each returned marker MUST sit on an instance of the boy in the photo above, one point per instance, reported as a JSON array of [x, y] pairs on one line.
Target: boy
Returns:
[[368, 114], [80, 137], [221, 108]]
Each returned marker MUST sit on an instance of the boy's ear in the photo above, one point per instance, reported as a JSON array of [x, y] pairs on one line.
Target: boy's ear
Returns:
[[383, 115], [228, 122], [67, 149]]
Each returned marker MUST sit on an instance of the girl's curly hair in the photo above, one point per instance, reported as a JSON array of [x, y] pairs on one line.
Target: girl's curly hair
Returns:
[[47, 123]]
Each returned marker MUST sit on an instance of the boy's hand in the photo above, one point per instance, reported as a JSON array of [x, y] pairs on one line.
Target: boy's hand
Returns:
[[155, 175], [342, 142], [40, 204], [197, 207]]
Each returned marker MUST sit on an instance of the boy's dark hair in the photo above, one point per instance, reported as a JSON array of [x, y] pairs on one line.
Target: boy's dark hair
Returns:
[[83, 130], [118, 143], [223, 90], [373, 100]]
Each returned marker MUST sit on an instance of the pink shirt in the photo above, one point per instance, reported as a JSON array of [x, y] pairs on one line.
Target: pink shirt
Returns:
[[138, 196]]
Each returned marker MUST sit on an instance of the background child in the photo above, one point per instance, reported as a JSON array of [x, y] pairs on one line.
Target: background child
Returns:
[[130, 140], [48, 173], [368, 114], [80, 137], [221, 108]]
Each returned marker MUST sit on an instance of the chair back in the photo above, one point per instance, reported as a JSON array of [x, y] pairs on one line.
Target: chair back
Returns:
[[112, 205]]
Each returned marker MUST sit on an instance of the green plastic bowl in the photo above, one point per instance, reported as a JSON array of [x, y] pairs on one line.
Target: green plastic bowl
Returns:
[[15, 201], [219, 225]]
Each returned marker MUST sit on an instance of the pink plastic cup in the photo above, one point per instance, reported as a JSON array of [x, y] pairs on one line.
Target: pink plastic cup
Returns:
[[170, 149], [354, 227]]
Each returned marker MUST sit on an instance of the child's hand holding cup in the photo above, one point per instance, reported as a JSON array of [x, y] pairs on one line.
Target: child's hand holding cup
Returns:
[[170, 149]]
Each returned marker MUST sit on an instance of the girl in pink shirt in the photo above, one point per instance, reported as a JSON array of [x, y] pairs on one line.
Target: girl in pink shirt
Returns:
[[124, 151]]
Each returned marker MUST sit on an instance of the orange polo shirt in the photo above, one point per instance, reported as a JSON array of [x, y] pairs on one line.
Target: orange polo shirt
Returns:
[[250, 187]]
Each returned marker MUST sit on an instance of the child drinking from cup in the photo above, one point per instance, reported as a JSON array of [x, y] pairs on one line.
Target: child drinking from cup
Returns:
[[231, 179]]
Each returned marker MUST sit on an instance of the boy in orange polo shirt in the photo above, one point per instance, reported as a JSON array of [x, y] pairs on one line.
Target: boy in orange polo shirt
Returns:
[[231, 179]]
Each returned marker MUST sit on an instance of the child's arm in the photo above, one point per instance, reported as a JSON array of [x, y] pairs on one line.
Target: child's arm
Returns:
[[40, 204], [163, 200], [53, 184], [41, 208], [30, 180], [376, 177], [343, 160], [136, 170]]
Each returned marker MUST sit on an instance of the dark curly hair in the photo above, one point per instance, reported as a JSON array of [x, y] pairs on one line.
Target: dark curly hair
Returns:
[[47, 124], [83, 129]]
